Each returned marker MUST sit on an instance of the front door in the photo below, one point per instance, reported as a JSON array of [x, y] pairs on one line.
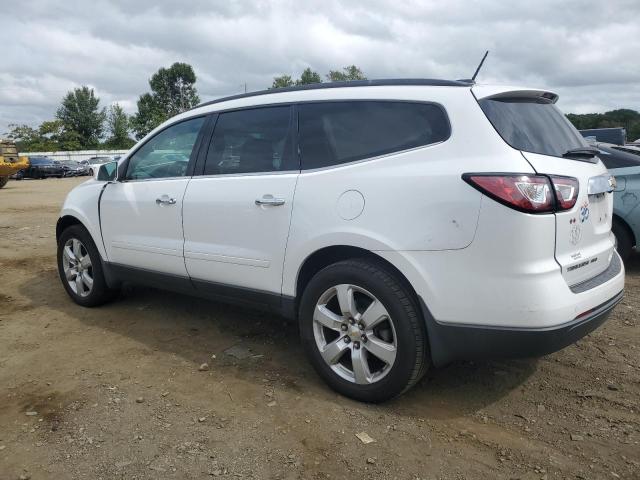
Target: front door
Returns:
[[141, 214], [237, 213]]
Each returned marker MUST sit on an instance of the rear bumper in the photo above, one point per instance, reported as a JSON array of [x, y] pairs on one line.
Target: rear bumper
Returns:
[[470, 342]]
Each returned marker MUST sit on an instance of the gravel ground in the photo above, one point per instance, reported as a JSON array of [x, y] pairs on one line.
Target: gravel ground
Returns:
[[119, 392]]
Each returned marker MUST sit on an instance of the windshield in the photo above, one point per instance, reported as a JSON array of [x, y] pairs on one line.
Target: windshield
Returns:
[[532, 124]]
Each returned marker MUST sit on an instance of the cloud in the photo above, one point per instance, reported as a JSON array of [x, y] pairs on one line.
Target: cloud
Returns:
[[584, 50]]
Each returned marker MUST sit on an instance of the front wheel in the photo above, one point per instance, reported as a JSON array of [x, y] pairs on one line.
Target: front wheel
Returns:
[[80, 268], [3, 181], [362, 330]]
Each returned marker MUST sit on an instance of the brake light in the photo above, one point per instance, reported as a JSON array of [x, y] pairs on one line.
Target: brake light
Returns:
[[527, 193], [566, 189]]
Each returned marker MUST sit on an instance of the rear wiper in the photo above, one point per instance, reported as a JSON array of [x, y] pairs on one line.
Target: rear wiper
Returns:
[[587, 152]]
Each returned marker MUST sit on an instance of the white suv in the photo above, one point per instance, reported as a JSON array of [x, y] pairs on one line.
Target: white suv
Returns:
[[402, 223]]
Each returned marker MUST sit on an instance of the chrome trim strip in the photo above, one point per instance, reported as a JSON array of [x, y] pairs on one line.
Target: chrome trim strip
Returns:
[[213, 257], [605, 183]]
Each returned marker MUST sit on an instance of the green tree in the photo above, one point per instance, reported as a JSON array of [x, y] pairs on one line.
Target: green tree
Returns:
[[118, 128], [56, 136], [173, 91], [348, 73], [80, 113], [49, 136], [308, 77], [24, 136], [623, 117], [283, 81]]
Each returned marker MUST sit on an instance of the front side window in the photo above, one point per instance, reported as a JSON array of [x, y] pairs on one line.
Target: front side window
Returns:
[[166, 154], [252, 141], [332, 133]]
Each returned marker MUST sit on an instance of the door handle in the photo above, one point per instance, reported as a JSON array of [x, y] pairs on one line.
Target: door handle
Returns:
[[165, 200], [270, 200]]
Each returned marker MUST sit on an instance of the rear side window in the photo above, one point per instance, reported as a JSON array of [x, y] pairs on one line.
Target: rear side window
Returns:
[[533, 125], [332, 133], [252, 141]]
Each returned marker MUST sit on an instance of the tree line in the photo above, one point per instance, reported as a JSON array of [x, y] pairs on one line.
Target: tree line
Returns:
[[623, 117], [80, 123]]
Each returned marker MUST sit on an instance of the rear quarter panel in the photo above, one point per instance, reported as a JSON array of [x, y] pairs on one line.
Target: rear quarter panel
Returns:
[[411, 201]]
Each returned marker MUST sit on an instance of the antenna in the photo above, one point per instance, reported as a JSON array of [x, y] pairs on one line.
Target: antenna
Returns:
[[473, 79]]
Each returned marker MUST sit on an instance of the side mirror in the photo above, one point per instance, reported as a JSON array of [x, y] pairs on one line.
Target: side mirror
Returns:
[[108, 172]]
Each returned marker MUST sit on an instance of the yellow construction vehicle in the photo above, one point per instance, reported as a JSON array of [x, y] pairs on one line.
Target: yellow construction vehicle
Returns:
[[10, 162]]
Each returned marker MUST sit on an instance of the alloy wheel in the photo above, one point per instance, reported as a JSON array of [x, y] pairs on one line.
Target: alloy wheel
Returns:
[[355, 334], [77, 267]]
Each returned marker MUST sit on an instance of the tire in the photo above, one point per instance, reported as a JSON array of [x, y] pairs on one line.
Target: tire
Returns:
[[624, 242], [4, 181], [87, 295], [402, 327], [91, 172]]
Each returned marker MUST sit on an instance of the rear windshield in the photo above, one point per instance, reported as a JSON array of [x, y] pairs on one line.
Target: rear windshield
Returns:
[[532, 124]]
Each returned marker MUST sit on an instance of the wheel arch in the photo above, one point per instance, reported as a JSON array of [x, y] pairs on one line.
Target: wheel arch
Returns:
[[65, 222], [326, 256]]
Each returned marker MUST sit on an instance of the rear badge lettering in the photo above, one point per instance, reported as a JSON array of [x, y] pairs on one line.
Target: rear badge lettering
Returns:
[[582, 264]]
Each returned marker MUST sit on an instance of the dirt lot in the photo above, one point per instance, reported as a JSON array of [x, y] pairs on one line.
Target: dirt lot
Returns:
[[116, 392]]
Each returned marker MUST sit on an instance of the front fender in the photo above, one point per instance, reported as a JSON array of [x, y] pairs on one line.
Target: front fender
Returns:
[[82, 204]]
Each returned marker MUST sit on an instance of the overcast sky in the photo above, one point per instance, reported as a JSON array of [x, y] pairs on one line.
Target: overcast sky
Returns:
[[587, 51]]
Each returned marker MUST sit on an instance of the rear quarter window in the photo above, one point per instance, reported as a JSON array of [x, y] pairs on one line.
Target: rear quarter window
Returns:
[[333, 133]]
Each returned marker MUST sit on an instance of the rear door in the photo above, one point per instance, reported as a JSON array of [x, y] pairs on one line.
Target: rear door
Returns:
[[530, 122], [237, 211]]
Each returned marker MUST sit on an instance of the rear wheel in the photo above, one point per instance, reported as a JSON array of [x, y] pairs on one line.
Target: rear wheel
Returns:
[[3, 181], [624, 242], [362, 331], [80, 268]]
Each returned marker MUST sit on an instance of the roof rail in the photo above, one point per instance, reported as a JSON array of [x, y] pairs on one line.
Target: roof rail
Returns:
[[351, 83]]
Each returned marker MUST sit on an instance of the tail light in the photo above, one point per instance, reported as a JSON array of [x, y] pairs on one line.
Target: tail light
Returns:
[[527, 193], [566, 189]]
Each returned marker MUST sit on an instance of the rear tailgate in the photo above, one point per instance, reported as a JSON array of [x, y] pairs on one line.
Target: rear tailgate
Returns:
[[584, 245], [529, 121]]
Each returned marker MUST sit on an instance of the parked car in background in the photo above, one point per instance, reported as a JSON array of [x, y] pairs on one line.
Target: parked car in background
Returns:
[[624, 163], [93, 163], [614, 135], [42, 167], [73, 168]]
